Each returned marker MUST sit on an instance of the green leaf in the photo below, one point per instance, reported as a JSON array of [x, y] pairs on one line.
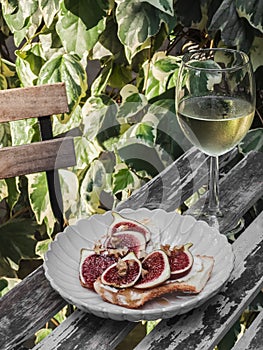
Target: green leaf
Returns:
[[42, 247], [145, 132], [251, 10], [3, 82], [39, 200], [82, 39], [42, 334], [13, 192], [138, 21], [66, 68], [253, 141], [17, 239], [122, 179], [6, 284]]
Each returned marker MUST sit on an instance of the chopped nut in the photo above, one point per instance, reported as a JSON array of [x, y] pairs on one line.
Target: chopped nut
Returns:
[[122, 267]]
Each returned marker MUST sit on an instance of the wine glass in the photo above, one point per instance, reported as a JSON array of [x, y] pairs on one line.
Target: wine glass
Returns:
[[215, 105]]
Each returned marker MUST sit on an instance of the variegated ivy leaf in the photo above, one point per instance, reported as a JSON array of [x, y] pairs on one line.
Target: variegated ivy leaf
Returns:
[[200, 80], [256, 53], [132, 109], [83, 38], [253, 141], [39, 200], [66, 68], [49, 9], [137, 21], [28, 64], [90, 11], [92, 185], [251, 10], [23, 131], [100, 118], [23, 18], [235, 31], [163, 5], [3, 82], [69, 188]]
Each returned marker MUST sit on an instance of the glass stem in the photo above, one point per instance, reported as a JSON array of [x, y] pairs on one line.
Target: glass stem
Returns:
[[213, 204]]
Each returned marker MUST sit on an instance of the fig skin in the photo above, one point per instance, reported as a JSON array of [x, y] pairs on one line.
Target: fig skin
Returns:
[[155, 270], [120, 223], [124, 273]]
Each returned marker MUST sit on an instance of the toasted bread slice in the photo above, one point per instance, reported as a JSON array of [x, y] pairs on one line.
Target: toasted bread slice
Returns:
[[133, 298]]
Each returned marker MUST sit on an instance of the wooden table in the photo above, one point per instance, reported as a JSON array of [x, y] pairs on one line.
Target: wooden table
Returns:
[[32, 303]]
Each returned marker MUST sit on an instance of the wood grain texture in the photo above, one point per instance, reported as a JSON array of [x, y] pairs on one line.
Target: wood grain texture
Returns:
[[253, 337], [37, 157], [97, 334], [33, 101], [26, 308]]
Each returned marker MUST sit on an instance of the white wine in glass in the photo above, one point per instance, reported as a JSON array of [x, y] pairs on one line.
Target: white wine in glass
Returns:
[[215, 104]]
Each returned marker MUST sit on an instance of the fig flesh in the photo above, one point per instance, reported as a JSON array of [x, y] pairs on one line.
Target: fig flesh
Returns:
[[155, 270], [121, 223], [92, 265], [180, 260], [131, 240], [124, 273]]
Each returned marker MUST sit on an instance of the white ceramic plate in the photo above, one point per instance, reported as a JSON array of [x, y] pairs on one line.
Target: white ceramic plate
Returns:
[[61, 263]]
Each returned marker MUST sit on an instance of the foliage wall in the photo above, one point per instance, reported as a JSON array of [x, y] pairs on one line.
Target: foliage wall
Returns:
[[119, 60]]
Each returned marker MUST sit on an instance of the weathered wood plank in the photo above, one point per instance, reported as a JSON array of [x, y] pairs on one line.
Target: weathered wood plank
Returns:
[[33, 101], [36, 157], [253, 337], [26, 308], [86, 332], [204, 327]]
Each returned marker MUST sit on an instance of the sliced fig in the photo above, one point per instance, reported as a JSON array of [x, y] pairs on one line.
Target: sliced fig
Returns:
[[180, 260], [92, 266], [121, 223], [155, 270], [124, 273], [131, 240]]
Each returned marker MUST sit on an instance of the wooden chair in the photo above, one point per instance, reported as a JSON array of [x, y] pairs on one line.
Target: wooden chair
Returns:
[[50, 153]]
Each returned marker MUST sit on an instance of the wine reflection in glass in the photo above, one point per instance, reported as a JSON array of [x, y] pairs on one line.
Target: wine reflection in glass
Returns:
[[215, 104]]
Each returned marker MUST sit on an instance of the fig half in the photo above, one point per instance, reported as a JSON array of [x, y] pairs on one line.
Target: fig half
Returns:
[[180, 260], [131, 240], [124, 273], [92, 265], [121, 223], [155, 270]]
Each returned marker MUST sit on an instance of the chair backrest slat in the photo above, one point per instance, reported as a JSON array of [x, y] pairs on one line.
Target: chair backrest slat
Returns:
[[34, 101], [36, 157]]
